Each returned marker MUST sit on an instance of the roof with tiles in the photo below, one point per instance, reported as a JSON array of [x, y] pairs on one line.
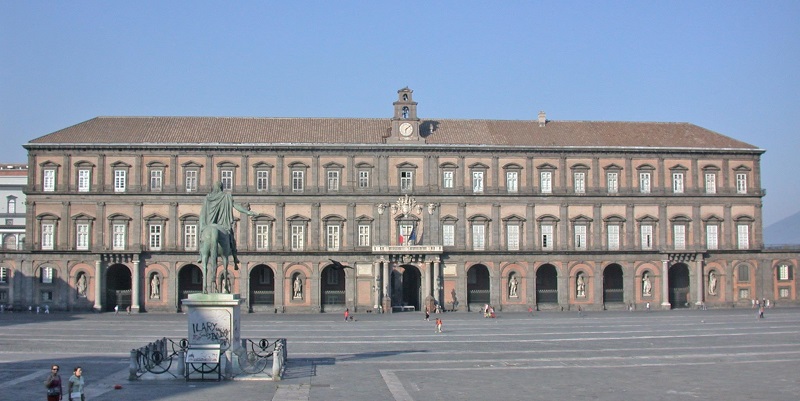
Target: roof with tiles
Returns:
[[345, 131]]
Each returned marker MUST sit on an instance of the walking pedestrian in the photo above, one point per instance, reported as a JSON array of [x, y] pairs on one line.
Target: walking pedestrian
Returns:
[[761, 312], [347, 314], [75, 386], [116, 309], [427, 314], [438, 326], [53, 384], [47, 309], [530, 311]]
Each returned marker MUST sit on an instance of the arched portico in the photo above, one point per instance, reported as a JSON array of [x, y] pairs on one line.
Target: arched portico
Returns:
[[118, 287]]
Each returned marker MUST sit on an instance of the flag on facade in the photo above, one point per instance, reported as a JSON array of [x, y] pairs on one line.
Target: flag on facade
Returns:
[[400, 239], [412, 239]]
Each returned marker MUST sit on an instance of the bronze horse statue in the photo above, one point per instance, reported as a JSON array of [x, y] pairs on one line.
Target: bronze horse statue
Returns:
[[215, 242]]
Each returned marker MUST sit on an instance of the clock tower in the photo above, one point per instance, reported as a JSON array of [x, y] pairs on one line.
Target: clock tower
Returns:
[[405, 123]]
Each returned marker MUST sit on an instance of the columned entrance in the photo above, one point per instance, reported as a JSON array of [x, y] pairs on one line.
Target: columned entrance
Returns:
[[118, 287], [190, 281], [546, 285], [612, 284], [410, 284], [478, 293], [679, 285]]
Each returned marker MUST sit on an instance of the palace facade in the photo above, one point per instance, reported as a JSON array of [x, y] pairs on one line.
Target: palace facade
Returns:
[[397, 214]]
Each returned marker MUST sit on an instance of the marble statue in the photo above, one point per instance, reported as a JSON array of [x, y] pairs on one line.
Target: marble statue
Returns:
[[581, 285], [155, 287], [512, 286], [82, 285], [712, 283], [647, 286], [298, 287]]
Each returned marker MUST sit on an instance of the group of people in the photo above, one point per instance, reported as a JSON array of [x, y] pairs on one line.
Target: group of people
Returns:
[[75, 385], [488, 311]]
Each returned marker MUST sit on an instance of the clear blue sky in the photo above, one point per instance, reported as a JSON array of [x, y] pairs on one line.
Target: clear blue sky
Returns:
[[729, 66]]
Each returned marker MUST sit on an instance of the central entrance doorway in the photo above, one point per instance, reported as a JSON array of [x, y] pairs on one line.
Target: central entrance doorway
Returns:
[[118, 287], [406, 286]]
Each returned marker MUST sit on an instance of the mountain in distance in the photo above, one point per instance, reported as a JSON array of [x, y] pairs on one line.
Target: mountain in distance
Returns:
[[783, 232]]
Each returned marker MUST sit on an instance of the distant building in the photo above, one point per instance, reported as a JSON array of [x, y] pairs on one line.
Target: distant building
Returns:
[[13, 178], [553, 214]]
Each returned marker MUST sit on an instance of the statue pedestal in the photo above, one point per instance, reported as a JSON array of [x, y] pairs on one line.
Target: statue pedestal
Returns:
[[214, 319]]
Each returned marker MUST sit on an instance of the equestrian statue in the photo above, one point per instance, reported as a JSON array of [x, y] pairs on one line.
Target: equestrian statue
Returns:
[[217, 234]]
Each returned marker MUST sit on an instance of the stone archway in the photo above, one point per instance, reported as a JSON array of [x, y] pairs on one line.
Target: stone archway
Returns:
[[478, 287], [613, 284], [190, 281], [547, 285], [679, 285], [332, 289], [411, 283], [262, 288], [118, 287]]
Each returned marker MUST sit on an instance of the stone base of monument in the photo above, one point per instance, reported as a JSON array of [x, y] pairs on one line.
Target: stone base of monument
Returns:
[[213, 320]]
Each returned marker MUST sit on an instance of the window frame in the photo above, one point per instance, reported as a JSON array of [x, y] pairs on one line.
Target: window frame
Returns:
[[84, 179]]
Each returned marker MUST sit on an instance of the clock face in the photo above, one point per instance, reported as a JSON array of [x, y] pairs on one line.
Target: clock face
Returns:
[[406, 129]]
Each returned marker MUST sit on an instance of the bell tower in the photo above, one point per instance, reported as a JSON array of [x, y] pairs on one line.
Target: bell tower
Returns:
[[405, 123]]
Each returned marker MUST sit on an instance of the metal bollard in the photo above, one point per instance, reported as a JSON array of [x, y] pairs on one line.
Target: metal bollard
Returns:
[[277, 361], [134, 366]]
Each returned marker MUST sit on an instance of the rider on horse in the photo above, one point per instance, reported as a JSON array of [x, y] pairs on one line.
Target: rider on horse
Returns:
[[217, 210]]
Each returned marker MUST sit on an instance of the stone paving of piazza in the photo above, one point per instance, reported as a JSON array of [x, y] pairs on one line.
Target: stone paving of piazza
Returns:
[[658, 355]]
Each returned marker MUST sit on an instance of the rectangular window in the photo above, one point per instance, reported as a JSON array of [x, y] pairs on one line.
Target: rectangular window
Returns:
[[298, 237], [120, 180], [363, 235], [783, 292], [712, 236], [447, 179], [580, 182], [512, 237], [677, 183], [333, 237], [363, 179], [333, 180], [743, 273], [477, 181], [47, 296], [190, 237], [448, 235], [512, 181], [118, 241], [406, 181], [478, 237], [613, 238], [297, 181], [262, 180], [647, 237], [49, 180], [48, 232], [4, 275], [743, 235], [262, 237], [744, 293], [783, 272], [82, 237], [547, 237], [226, 177], [711, 183], [644, 183], [12, 208], [580, 238], [332, 278], [264, 277], [47, 275], [546, 182], [741, 183], [156, 180], [679, 236], [191, 180], [612, 182], [84, 180], [155, 237]]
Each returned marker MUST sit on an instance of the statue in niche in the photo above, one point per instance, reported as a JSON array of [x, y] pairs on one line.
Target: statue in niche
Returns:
[[297, 287], [512, 286], [712, 283], [155, 287], [581, 285], [82, 285], [647, 286]]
